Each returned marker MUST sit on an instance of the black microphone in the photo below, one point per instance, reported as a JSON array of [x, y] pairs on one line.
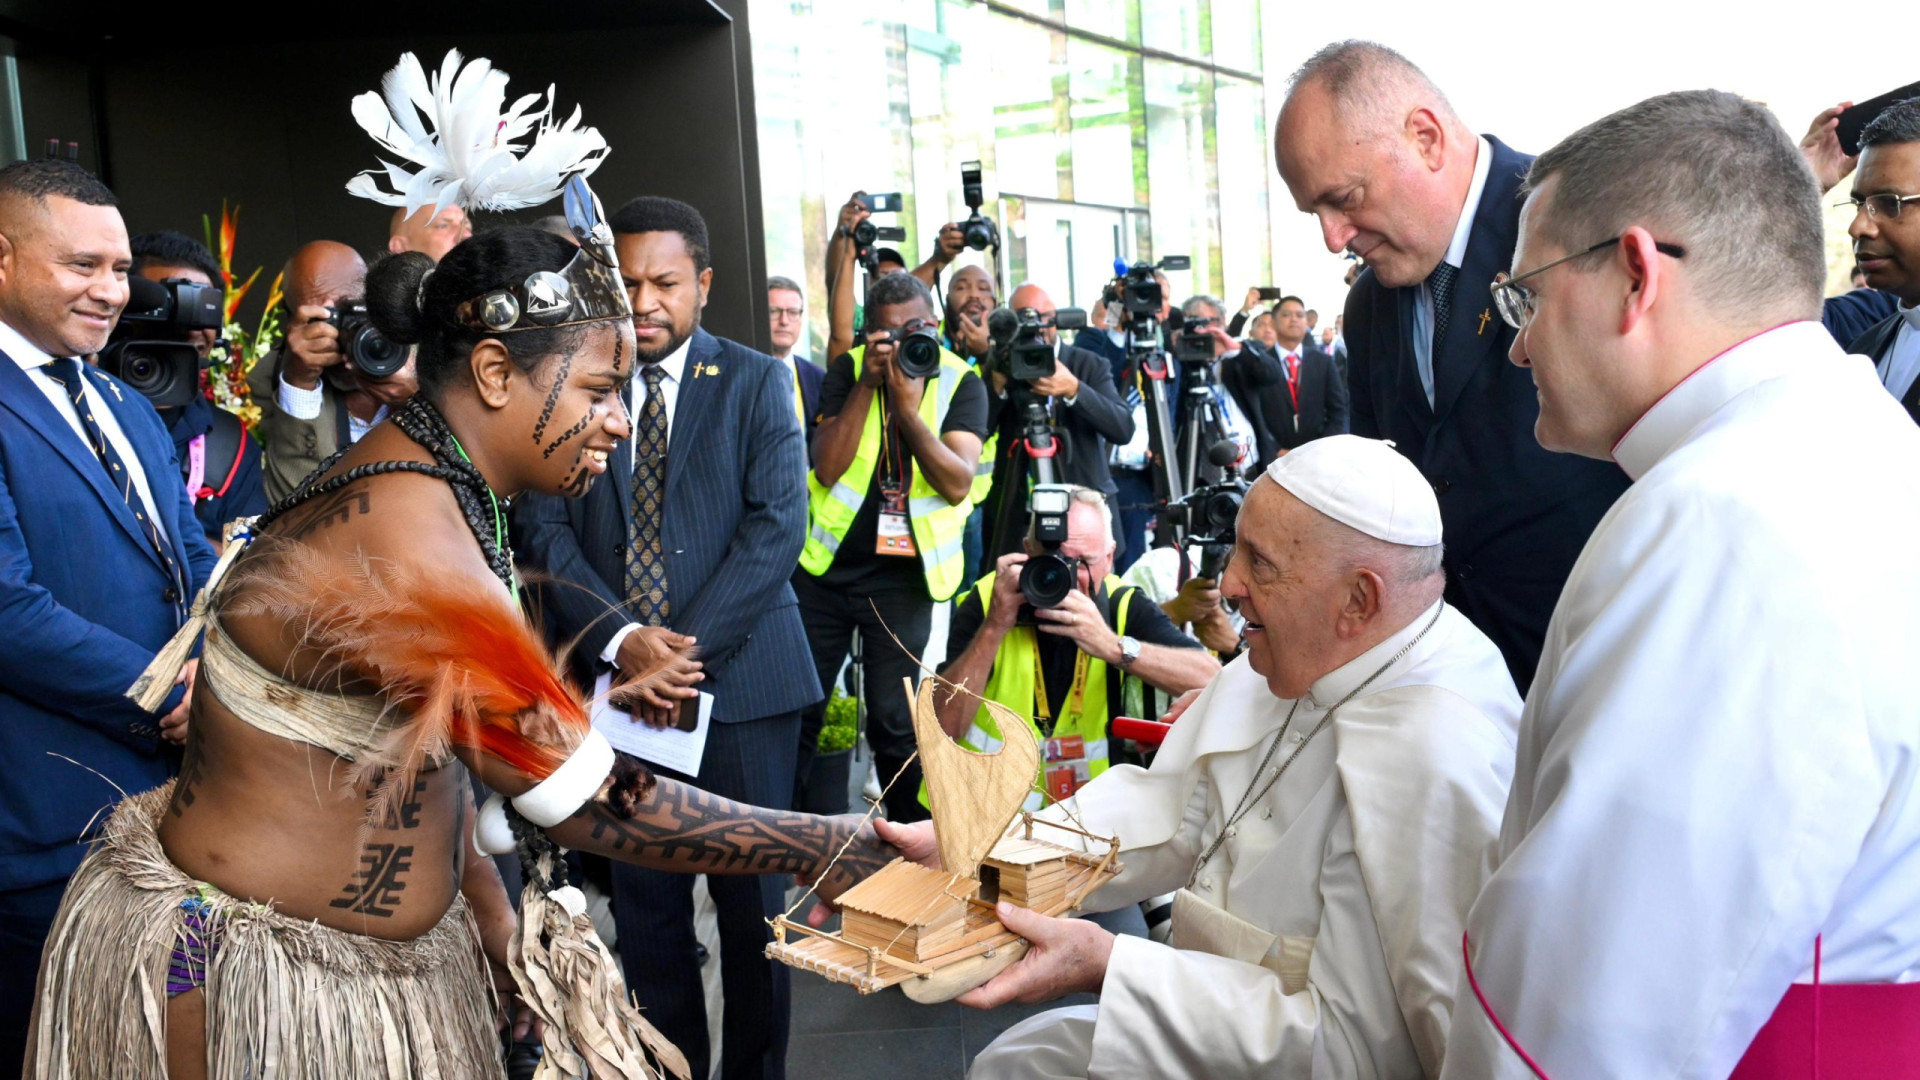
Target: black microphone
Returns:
[[1223, 453], [1001, 323]]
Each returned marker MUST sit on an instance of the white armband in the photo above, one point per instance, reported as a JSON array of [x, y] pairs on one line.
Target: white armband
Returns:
[[578, 779]]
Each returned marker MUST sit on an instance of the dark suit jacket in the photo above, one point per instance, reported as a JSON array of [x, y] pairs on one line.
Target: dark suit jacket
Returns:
[[1851, 314], [1875, 343], [86, 602], [811, 376], [736, 517], [1262, 376], [1516, 516]]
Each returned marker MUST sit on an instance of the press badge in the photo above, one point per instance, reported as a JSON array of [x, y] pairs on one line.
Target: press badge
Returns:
[[894, 534], [1066, 767]]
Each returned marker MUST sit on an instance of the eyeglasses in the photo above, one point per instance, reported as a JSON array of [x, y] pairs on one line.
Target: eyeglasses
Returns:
[[787, 312], [1883, 205], [1516, 301]]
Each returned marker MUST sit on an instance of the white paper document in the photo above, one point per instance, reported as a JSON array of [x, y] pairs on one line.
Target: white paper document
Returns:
[[671, 748]]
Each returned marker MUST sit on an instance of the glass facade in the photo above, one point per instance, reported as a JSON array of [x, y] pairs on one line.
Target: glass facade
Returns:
[[1104, 128]]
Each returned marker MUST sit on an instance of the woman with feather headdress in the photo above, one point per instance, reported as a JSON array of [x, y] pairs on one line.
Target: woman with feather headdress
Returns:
[[304, 900]]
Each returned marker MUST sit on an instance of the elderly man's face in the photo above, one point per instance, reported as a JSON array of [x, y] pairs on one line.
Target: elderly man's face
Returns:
[[1374, 193], [787, 308], [431, 234], [1888, 249], [1289, 583]]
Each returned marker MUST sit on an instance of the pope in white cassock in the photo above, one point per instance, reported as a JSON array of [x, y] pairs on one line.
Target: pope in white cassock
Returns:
[[1328, 807], [1710, 861]]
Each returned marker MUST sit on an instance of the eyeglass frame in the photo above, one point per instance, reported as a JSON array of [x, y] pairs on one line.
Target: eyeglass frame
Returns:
[[1866, 204], [795, 313], [1524, 296]]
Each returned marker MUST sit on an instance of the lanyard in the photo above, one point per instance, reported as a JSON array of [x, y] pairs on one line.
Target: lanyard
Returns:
[[1041, 709], [799, 402]]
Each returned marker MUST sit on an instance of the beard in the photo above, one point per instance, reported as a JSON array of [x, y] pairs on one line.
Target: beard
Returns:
[[676, 337]]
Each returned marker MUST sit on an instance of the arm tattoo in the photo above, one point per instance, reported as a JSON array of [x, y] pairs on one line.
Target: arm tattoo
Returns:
[[376, 887], [680, 827]]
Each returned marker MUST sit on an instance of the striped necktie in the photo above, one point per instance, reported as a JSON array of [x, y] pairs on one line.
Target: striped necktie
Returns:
[[646, 561], [66, 371]]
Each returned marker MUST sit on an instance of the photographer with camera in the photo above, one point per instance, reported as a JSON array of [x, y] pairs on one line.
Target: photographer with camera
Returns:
[[1038, 381], [334, 377], [1052, 635], [219, 461], [902, 422], [1106, 337]]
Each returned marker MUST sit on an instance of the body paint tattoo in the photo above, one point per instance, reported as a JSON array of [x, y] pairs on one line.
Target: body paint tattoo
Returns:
[[376, 887], [404, 812], [677, 826], [564, 437], [334, 509], [193, 768], [553, 395]]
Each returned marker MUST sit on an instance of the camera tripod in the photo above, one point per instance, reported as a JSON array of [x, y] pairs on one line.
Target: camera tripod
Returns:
[[1039, 448]]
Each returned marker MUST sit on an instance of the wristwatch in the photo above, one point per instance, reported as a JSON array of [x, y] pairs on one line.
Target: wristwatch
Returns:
[[1129, 650]]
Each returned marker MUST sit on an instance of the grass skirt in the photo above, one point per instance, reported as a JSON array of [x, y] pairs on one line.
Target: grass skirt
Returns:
[[286, 999]]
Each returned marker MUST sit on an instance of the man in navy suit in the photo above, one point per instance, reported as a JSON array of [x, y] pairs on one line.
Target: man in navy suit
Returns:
[[1368, 145], [690, 545], [100, 557], [786, 314]]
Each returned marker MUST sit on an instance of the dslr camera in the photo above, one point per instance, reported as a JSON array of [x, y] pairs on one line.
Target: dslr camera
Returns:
[[148, 349], [1136, 291], [916, 349], [1208, 514], [372, 354], [1045, 580], [979, 230], [1020, 347]]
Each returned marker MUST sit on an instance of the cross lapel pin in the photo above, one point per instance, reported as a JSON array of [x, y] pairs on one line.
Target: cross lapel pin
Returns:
[[1485, 318]]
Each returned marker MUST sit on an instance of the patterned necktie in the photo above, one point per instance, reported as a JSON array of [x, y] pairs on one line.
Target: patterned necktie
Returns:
[[1440, 285], [646, 561], [66, 372]]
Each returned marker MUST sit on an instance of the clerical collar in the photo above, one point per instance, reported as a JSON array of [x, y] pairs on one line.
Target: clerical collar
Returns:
[[1780, 351], [1341, 681]]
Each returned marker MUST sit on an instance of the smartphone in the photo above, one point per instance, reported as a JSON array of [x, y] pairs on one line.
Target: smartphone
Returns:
[[886, 203], [1269, 292], [1855, 120]]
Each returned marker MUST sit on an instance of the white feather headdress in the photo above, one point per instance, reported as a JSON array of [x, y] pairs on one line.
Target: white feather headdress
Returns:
[[469, 150]]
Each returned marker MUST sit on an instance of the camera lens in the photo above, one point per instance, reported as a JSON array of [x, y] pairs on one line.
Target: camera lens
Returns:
[[918, 354], [1223, 510], [979, 233], [374, 355], [865, 232], [1045, 580]]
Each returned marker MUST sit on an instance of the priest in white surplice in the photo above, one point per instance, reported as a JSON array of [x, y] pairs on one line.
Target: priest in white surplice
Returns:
[[1318, 930], [1714, 816]]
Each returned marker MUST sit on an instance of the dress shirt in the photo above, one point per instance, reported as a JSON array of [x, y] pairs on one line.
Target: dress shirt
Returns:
[[33, 361], [674, 366], [1456, 257], [305, 405], [1902, 363]]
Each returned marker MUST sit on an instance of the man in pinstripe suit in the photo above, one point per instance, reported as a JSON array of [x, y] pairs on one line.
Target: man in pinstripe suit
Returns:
[[688, 548]]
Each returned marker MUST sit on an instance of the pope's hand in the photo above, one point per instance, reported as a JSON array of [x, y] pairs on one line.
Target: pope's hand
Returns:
[[915, 841], [1067, 956]]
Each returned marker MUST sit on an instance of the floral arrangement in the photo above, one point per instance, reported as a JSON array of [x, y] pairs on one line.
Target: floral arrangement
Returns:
[[225, 380]]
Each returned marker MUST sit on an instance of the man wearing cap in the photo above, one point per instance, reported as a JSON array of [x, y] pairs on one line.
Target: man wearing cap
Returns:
[[1326, 808]]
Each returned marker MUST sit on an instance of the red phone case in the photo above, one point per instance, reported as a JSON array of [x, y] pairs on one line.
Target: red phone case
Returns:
[[1146, 732]]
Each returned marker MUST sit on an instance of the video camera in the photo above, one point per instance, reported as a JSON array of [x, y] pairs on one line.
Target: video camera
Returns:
[[1193, 344], [1045, 580], [361, 342], [980, 231], [148, 348], [1137, 291], [1020, 348], [1208, 514]]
